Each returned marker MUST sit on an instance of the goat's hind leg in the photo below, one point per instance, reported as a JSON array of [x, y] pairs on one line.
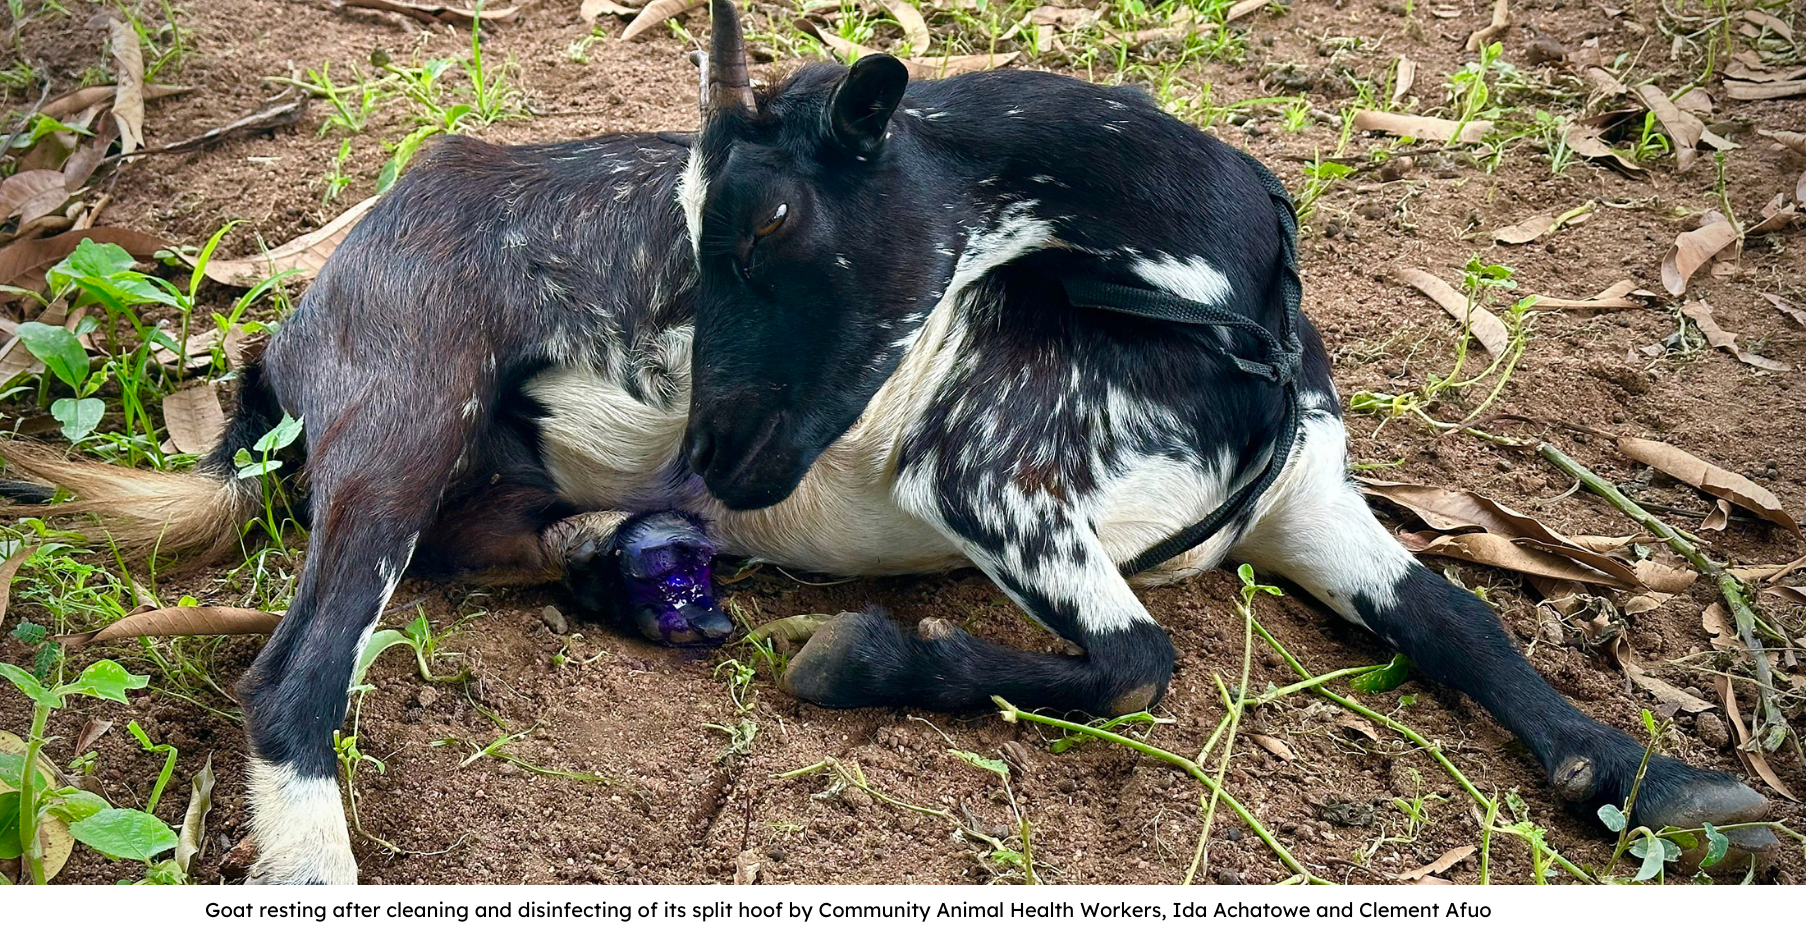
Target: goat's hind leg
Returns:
[[1315, 529], [649, 573]]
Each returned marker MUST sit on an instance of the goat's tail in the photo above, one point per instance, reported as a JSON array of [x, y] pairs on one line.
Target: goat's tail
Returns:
[[141, 510]]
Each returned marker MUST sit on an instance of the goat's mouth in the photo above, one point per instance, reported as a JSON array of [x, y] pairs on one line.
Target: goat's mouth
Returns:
[[749, 472]]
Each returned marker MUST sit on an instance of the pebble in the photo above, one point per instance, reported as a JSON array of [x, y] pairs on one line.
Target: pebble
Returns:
[[1395, 169], [1230, 877], [555, 620], [1067, 786], [1712, 730], [1544, 49], [427, 697]]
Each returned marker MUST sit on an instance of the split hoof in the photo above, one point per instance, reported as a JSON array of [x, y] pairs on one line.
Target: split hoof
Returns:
[[664, 562]]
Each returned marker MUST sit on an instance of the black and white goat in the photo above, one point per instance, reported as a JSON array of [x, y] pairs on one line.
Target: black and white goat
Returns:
[[837, 330]]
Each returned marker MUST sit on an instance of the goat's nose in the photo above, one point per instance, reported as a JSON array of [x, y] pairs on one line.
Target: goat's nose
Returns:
[[700, 451]]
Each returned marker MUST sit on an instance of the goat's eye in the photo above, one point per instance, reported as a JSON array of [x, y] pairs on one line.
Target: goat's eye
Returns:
[[777, 218]]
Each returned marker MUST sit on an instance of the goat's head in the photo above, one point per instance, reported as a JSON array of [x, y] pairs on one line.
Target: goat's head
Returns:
[[816, 261]]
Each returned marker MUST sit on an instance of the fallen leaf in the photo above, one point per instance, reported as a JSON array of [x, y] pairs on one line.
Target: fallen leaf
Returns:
[[1777, 216], [1274, 746], [1755, 71], [1498, 21], [1615, 297], [32, 195], [80, 100], [1751, 91], [1244, 8], [1754, 762], [194, 418], [1431, 880], [1695, 101], [192, 838], [1522, 232], [1439, 865], [1684, 129], [1425, 128], [917, 32], [1717, 519], [1446, 511], [1486, 327], [1664, 579], [303, 256], [1690, 250], [23, 263], [434, 12], [1788, 139], [915, 68], [1404, 79], [1359, 725], [1788, 592], [1721, 631], [1762, 18], [128, 89], [182, 622], [1064, 18], [8, 568], [1493, 550], [92, 730], [1585, 137], [1604, 83], [656, 13], [1707, 478], [86, 160], [590, 10], [1783, 306], [1700, 313]]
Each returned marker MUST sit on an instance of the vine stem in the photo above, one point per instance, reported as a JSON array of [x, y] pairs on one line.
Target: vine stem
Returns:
[[1426, 746], [1011, 713], [1734, 593]]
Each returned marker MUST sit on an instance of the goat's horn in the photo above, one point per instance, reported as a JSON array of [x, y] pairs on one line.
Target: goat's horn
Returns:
[[729, 89]]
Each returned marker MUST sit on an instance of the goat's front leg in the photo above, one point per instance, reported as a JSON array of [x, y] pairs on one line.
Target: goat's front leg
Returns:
[[1050, 562]]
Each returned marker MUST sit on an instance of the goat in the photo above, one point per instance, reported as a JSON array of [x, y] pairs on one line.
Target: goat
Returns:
[[859, 325]]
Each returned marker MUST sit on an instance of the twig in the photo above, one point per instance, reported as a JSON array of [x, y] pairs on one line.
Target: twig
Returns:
[[1734, 593], [1012, 713]]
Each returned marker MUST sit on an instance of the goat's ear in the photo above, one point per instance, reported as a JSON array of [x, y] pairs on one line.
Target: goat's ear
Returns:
[[863, 104]]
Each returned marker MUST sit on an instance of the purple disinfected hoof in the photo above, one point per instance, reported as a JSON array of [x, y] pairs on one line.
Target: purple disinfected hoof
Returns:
[[665, 564]]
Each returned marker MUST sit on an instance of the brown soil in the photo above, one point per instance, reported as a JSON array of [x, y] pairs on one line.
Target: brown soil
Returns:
[[676, 809]]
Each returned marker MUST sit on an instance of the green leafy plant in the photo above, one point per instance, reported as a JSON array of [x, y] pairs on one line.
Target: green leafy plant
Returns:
[[31, 797]]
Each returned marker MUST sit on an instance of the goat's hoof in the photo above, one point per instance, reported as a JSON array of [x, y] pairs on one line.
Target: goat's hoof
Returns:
[[665, 565], [1575, 779], [1680, 796], [831, 667]]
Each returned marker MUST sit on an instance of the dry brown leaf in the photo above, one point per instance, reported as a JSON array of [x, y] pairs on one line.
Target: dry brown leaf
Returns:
[[1360, 725], [1585, 137], [304, 256], [1785, 307], [1615, 297], [1788, 592], [1446, 510], [1717, 519], [1496, 551], [1274, 746], [1751, 91], [590, 10], [1696, 101], [1684, 129], [1486, 327], [1404, 80], [32, 195], [656, 13], [1707, 478], [1788, 139], [23, 263], [128, 89], [1755, 762], [1754, 70], [951, 65], [1245, 8], [87, 159], [1425, 128], [435, 12], [1522, 232], [194, 418], [1690, 250], [1721, 631], [1777, 216], [1064, 18], [1498, 21], [1604, 83], [1439, 865], [1431, 880], [8, 568], [1700, 313], [183, 622], [917, 32], [1664, 579], [80, 100]]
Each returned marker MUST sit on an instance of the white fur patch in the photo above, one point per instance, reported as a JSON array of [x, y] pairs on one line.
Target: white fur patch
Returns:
[[692, 187], [1192, 278], [1313, 527], [300, 827]]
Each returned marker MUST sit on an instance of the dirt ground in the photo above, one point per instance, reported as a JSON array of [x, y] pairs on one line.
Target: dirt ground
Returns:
[[678, 807]]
